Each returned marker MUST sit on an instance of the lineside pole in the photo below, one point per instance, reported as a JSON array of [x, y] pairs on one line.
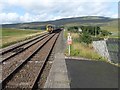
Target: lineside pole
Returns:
[[69, 50]]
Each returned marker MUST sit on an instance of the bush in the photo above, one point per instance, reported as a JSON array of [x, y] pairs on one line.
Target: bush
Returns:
[[86, 38], [73, 29]]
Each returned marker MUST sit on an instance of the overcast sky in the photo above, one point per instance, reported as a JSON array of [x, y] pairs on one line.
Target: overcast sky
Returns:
[[16, 11]]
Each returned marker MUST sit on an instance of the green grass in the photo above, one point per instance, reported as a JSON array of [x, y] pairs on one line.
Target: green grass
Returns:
[[111, 27], [11, 36], [16, 32], [80, 50]]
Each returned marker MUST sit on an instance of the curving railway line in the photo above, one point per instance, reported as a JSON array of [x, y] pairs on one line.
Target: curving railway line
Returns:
[[23, 64]]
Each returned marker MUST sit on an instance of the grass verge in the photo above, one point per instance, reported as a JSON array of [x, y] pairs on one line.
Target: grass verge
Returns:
[[12, 36], [81, 50]]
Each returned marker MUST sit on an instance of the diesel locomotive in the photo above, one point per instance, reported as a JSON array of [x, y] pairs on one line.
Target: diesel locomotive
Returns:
[[50, 28]]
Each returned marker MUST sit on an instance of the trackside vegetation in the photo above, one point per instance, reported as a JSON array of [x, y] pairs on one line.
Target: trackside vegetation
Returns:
[[82, 38]]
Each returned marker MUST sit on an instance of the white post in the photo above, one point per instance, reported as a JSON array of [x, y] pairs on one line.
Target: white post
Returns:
[[69, 40], [69, 50]]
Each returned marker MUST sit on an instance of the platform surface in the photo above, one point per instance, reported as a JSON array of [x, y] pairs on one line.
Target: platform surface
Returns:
[[91, 74]]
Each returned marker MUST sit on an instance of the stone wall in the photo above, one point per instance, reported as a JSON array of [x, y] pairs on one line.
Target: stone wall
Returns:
[[101, 48], [113, 49], [108, 49]]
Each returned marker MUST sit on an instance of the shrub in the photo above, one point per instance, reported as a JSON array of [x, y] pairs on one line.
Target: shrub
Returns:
[[86, 38]]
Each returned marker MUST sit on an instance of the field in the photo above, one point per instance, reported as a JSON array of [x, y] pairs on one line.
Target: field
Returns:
[[11, 36], [112, 27]]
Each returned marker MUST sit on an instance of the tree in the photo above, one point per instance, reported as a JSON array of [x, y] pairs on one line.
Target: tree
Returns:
[[92, 30], [73, 29], [86, 38]]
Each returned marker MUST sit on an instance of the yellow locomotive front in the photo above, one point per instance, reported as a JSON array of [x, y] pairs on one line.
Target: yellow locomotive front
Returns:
[[50, 28]]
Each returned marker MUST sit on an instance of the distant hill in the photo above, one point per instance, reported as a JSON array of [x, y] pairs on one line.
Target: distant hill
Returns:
[[41, 25]]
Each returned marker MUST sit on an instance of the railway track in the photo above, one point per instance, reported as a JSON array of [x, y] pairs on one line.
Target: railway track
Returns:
[[14, 50], [23, 69], [18, 49]]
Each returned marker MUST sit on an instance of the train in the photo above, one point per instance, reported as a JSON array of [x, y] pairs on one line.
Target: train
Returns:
[[53, 28], [50, 28]]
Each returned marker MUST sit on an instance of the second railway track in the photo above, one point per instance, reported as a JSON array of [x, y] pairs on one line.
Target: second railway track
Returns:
[[27, 65], [7, 54]]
